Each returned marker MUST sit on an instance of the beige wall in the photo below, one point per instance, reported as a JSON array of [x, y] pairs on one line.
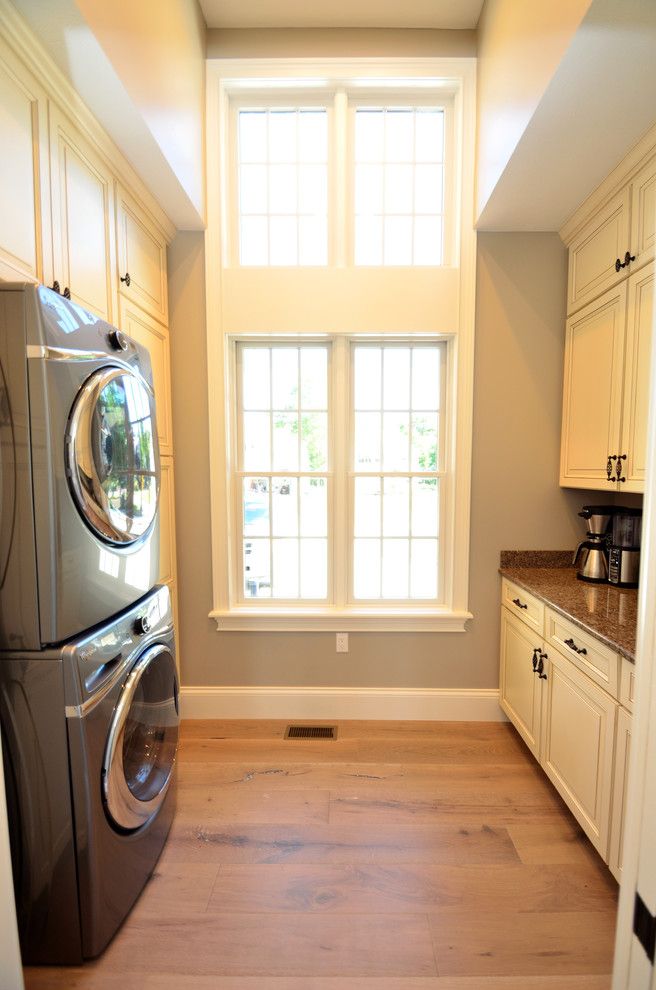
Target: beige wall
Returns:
[[339, 43], [516, 501], [520, 45]]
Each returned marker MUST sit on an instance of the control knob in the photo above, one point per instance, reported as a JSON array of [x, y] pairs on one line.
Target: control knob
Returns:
[[117, 340], [142, 625]]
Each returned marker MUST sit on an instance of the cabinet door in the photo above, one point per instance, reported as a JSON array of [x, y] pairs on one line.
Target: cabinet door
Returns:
[[25, 251], [592, 392], [592, 254], [155, 338], [519, 687], [577, 746], [167, 556], [83, 219], [621, 776], [141, 258], [639, 322], [643, 215]]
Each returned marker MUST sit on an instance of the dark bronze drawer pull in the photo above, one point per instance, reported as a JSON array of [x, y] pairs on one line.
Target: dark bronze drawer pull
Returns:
[[519, 604], [577, 649]]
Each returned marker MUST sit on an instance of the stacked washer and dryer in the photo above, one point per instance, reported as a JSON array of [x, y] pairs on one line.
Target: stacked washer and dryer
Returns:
[[88, 684]]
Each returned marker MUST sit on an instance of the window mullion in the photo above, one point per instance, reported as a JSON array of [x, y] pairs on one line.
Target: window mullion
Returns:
[[342, 494], [340, 181]]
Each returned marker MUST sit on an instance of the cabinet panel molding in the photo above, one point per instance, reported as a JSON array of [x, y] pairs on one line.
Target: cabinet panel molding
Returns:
[[167, 551], [639, 332], [149, 332], [141, 256], [621, 777], [593, 253], [519, 691], [643, 215]]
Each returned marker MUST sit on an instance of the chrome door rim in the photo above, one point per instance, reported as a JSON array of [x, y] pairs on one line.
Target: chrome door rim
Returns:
[[89, 503], [124, 808]]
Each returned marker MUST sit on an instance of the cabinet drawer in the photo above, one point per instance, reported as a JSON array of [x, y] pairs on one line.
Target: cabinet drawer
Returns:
[[595, 659], [523, 604], [627, 683]]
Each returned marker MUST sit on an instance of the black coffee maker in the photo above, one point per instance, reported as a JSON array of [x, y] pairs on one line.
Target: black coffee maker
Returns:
[[624, 552]]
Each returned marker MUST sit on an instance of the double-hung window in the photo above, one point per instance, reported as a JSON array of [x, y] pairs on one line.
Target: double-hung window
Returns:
[[340, 345]]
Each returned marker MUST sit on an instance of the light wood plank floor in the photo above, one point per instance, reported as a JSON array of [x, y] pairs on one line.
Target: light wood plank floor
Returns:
[[402, 856]]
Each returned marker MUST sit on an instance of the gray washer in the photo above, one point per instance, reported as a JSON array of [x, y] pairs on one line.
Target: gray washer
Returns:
[[89, 741], [79, 469]]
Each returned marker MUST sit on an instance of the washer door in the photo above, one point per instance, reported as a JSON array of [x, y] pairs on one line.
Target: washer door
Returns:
[[112, 455], [143, 741]]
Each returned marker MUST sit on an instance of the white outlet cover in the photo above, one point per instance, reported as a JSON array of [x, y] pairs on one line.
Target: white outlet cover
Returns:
[[341, 643]]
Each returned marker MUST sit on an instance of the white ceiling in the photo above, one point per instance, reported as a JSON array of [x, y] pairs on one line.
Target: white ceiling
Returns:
[[452, 14]]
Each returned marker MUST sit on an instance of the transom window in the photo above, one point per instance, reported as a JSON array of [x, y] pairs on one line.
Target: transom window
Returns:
[[388, 445]]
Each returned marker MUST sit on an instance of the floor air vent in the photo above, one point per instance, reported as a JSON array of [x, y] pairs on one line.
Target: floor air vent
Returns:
[[311, 732]]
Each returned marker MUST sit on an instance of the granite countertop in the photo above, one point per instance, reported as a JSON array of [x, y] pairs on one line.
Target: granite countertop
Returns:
[[608, 613]]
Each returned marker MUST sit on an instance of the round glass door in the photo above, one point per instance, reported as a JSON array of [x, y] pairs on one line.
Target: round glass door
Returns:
[[112, 455], [143, 741]]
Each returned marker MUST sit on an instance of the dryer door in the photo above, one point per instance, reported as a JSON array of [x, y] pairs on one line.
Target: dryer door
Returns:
[[143, 741], [112, 455]]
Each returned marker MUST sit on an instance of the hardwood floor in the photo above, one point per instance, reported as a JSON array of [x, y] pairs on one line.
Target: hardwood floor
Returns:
[[402, 856]]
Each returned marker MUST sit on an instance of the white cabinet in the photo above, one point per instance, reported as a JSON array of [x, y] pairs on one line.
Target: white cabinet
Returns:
[[592, 393], [643, 215], [141, 258], [154, 336], [606, 388], [24, 177], [520, 688], [594, 253], [577, 745], [167, 557], [621, 776], [83, 219]]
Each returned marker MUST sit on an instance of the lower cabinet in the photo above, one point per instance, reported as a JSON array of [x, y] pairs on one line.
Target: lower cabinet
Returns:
[[576, 730], [576, 750]]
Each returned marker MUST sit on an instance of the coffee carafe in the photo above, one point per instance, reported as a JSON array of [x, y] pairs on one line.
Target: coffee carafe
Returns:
[[624, 553], [592, 553]]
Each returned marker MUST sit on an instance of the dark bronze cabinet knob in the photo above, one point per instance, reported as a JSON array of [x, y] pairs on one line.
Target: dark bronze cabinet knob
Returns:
[[126, 278]]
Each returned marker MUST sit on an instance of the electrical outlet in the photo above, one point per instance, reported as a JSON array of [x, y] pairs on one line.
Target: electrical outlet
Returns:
[[341, 643]]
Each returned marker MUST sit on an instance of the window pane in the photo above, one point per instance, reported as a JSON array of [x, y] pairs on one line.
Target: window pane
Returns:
[[367, 441], [367, 519], [399, 135], [285, 506], [254, 248], [285, 568], [428, 241], [257, 568], [252, 135], [282, 136], [255, 377], [429, 135], [314, 378], [369, 135], [396, 378], [424, 507], [256, 507], [284, 373], [283, 188], [366, 569], [285, 441], [398, 241], [314, 568], [368, 189], [424, 442], [425, 378], [368, 240], [312, 189], [368, 363], [396, 507], [396, 436], [312, 241], [257, 449], [283, 237], [314, 442], [398, 188], [423, 568], [428, 189], [395, 569], [314, 507], [313, 136], [253, 189]]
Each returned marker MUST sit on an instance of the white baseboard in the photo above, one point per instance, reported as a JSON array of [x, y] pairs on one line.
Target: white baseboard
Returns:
[[434, 704]]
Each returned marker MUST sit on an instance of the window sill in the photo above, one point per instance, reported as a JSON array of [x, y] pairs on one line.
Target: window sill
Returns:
[[340, 620]]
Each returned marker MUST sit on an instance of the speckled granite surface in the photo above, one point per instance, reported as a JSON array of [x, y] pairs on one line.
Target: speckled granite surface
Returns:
[[610, 614], [536, 558]]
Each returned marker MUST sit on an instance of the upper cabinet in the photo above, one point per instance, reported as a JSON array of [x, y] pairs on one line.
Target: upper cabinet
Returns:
[[141, 258], [610, 298], [83, 219], [24, 251], [593, 255]]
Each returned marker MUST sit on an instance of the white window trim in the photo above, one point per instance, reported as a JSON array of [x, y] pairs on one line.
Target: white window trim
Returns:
[[227, 75]]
